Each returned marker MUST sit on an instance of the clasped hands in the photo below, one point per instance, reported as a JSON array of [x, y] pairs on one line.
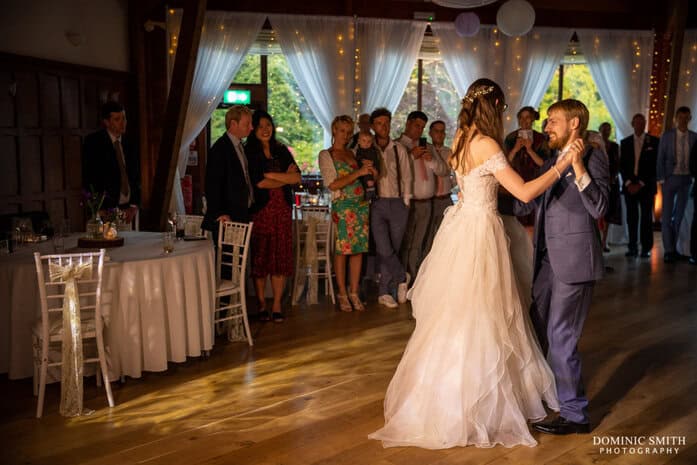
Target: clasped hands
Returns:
[[572, 155], [367, 168]]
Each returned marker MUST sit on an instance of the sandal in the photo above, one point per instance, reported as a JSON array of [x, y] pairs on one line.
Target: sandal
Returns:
[[356, 302], [344, 304], [264, 315], [277, 317]]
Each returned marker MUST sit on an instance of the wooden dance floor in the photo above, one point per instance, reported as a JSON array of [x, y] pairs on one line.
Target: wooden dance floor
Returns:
[[311, 390]]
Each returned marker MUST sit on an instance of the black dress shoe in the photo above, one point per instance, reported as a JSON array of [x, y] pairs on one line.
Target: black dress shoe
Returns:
[[645, 254], [561, 425], [669, 258], [692, 261], [631, 253]]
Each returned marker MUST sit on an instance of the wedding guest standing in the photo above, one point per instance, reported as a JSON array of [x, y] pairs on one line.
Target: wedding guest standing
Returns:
[[341, 174], [273, 172], [673, 172], [229, 191], [638, 168], [614, 207], [110, 163]]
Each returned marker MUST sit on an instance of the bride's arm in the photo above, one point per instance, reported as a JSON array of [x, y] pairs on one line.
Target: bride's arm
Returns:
[[513, 183]]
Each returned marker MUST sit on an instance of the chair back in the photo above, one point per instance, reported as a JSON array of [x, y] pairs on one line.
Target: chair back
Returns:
[[317, 218], [52, 289], [233, 250], [192, 225]]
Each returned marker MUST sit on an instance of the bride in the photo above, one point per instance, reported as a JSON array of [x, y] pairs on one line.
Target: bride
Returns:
[[472, 372]]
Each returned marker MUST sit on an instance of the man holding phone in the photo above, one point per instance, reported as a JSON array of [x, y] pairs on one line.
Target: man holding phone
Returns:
[[424, 168]]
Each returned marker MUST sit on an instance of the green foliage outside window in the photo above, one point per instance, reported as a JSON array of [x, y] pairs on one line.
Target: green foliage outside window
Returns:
[[578, 84]]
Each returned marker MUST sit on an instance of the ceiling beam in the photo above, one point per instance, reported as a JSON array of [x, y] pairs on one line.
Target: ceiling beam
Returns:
[[175, 114]]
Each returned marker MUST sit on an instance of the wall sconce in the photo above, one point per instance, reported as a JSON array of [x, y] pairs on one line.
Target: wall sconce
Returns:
[[151, 25]]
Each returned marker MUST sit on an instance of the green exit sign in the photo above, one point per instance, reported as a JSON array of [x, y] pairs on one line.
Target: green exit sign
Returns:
[[237, 97]]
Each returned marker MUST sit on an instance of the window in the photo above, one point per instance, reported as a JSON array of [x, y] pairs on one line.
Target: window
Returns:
[[576, 82], [439, 99]]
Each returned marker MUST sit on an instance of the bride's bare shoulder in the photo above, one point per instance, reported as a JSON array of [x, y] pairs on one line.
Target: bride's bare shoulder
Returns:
[[483, 148]]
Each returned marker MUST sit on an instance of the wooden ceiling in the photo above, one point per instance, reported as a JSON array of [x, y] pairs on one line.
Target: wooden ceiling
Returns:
[[611, 14]]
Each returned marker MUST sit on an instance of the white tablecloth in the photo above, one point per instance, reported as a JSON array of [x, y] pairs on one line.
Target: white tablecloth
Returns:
[[157, 308]]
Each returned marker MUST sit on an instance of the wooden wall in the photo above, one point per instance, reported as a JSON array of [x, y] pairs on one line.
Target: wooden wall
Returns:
[[46, 109]]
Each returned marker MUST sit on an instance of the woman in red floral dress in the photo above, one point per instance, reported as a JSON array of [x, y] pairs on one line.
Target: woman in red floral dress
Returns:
[[273, 172]]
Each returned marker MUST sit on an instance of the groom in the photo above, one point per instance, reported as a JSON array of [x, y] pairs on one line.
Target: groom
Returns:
[[568, 260]]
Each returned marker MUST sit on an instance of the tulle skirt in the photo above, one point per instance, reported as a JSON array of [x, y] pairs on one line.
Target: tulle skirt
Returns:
[[472, 372]]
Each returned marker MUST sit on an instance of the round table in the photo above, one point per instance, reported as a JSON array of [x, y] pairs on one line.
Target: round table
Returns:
[[157, 307]]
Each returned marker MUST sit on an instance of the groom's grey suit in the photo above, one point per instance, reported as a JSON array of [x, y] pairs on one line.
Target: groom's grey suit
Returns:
[[568, 261]]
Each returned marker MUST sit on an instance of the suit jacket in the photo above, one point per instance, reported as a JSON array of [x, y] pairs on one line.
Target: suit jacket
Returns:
[[227, 192], [566, 223], [667, 152], [693, 169], [570, 217], [647, 162], [100, 168]]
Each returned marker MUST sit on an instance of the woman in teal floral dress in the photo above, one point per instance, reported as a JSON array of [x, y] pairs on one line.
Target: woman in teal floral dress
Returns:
[[350, 210]]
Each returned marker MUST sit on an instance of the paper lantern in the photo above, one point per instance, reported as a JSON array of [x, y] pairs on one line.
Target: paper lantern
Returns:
[[467, 24], [515, 18]]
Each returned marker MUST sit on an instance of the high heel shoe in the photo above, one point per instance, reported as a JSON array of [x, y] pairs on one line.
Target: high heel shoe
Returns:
[[344, 304], [356, 302]]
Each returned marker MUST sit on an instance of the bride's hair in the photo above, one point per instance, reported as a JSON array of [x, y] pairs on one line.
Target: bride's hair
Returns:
[[481, 113]]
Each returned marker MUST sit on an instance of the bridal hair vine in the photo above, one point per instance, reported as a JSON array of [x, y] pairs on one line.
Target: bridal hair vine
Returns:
[[473, 95]]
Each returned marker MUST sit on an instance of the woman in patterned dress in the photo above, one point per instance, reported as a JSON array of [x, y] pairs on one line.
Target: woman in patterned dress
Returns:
[[527, 150], [273, 172], [350, 210]]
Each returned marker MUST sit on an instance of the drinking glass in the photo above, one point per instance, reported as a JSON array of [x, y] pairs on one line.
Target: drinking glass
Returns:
[[167, 242]]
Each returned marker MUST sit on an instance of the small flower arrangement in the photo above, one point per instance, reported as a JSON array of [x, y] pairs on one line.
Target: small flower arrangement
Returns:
[[93, 200]]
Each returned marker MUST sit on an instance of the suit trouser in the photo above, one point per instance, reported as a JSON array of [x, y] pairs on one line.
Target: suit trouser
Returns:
[[439, 206], [675, 191], [388, 221], [418, 225], [558, 313], [643, 202]]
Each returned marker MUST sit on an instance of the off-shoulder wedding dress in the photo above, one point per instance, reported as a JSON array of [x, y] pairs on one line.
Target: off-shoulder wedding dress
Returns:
[[472, 372]]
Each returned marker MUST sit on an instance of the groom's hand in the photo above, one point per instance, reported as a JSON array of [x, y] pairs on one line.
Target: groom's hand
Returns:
[[576, 155]]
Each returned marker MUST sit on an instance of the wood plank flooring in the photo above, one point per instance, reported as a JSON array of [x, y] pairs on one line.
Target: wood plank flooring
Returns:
[[311, 390]]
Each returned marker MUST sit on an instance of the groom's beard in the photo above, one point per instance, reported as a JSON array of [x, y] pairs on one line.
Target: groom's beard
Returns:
[[558, 141]]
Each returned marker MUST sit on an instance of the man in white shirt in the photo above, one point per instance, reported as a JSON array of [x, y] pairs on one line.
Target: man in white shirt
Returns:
[[389, 213], [444, 184], [425, 168], [673, 173]]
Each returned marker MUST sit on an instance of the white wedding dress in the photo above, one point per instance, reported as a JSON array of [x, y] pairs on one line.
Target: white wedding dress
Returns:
[[472, 372]]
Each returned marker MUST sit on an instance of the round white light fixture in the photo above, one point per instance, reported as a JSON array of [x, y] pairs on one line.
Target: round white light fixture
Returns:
[[515, 18]]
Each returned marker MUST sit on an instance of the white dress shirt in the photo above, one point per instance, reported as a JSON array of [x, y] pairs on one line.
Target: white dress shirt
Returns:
[[387, 180], [444, 184], [424, 171], [237, 143]]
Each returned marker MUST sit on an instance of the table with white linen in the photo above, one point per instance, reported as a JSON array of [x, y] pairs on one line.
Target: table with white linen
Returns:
[[157, 307]]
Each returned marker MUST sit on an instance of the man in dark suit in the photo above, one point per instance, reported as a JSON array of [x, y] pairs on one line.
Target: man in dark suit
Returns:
[[693, 232], [110, 164], [638, 169], [229, 192], [673, 172]]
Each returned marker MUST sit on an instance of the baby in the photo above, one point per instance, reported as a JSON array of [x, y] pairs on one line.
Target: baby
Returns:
[[367, 151]]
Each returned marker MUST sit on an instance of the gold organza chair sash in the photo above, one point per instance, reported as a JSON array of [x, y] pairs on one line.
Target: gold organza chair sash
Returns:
[[72, 358]]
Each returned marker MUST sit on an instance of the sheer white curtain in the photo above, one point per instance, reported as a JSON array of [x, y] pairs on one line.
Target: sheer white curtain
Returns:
[[687, 83], [388, 50], [320, 51], [620, 64], [225, 39], [522, 66]]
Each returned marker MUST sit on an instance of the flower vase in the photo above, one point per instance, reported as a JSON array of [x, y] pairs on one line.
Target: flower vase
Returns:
[[94, 228]]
